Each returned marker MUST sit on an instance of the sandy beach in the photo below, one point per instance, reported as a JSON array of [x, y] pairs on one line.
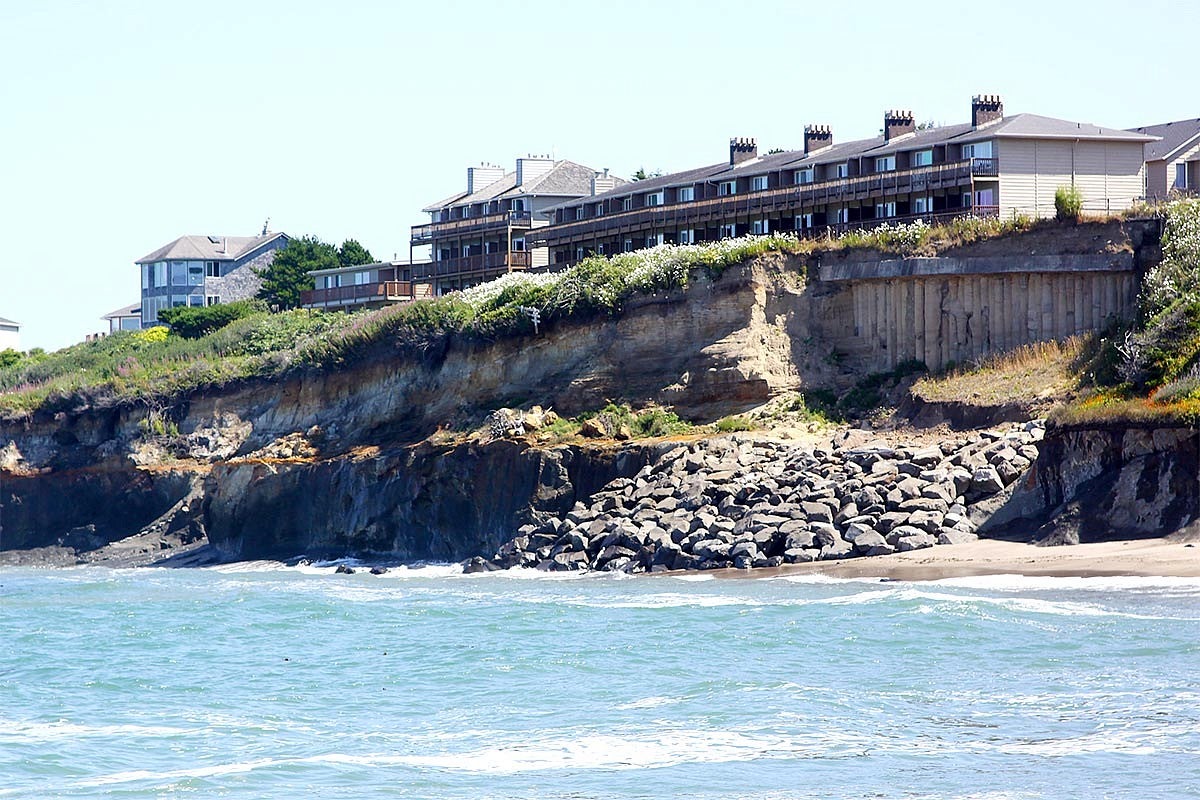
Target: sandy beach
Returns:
[[1148, 557]]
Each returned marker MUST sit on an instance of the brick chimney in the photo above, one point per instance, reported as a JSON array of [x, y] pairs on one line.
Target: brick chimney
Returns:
[[741, 150], [898, 123], [817, 137], [986, 108]]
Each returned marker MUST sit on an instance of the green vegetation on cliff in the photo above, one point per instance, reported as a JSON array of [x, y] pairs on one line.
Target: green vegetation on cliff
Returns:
[[151, 366]]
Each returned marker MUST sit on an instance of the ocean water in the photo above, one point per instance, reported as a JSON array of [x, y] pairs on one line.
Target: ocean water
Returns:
[[262, 681]]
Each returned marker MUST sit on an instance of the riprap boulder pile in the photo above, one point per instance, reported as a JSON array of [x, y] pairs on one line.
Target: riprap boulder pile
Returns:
[[744, 502]]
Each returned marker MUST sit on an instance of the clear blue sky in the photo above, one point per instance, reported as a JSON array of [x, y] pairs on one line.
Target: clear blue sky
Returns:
[[126, 124]]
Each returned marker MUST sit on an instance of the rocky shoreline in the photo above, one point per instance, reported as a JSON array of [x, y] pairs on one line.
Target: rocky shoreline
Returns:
[[745, 502]]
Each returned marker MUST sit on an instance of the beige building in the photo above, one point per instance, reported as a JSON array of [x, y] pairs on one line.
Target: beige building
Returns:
[[1173, 160]]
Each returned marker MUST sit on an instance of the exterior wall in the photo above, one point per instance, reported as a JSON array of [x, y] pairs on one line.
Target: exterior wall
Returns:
[[1157, 183], [943, 318], [1190, 157], [10, 337], [240, 281], [1110, 175]]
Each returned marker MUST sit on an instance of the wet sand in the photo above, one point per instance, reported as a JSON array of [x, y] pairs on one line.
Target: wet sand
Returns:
[[1145, 557]]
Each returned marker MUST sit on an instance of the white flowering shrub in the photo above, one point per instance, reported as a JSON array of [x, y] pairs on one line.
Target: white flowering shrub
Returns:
[[1177, 276]]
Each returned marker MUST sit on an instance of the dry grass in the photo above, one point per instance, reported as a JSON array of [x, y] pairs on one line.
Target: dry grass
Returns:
[[1043, 373]]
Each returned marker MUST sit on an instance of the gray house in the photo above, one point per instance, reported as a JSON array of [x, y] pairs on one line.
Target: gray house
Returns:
[[10, 334], [1173, 162], [204, 271]]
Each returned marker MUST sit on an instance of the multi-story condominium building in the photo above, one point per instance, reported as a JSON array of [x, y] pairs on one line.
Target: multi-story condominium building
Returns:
[[365, 286], [1173, 160], [204, 270], [992, 165], [10, 334], [481, 233]]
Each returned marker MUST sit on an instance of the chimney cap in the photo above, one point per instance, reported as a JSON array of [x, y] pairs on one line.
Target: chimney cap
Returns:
[[986, 100], [899, 114], [818, 129], [743, 141]]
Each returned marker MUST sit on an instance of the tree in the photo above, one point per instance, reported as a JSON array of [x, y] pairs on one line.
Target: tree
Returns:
[[774, 150], [351, 254], [642, 175], [287, 276]]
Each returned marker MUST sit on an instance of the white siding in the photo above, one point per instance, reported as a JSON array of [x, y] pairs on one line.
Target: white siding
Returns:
[[10, 337], [1110, 175]]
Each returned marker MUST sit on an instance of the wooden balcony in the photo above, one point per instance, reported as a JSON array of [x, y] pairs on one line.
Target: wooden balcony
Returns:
[[785, 199], [472, 266], [361, 294], [424, 234]]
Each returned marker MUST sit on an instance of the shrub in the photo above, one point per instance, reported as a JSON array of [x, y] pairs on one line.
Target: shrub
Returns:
[[735, 423], [1068, 203], [192, 323]]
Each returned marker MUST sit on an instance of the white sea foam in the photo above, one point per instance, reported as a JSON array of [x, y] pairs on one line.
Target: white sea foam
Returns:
[[1114, 583], [26, 731]]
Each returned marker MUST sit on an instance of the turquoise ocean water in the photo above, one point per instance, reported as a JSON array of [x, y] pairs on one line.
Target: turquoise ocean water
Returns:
[[263, 681]]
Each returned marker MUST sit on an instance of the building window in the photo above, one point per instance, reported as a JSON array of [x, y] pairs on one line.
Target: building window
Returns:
[[146, 276], [195, 300], [579, 254], [627, 245], [758, 183], [518, 245], [842, 170], [842, 216], [518, 205], [212, 300], [804, 222], [212, 269], [804, 175], [725, 188], [195, 274], [885, 164], [179, 276], [885, 210], [966, 200], [922, 205], [654, 239], [1181, 176], [579, 213], [466, 212], [687, 194], [686, 237], [654, 199], [600, 248], [627, 204], [759, 227], [728, 231], [599, 210], [362, 278], [977, 150], [922, 158]]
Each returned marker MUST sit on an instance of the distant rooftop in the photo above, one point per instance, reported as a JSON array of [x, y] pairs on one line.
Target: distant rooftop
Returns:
[[208, 248], [1174, 136]]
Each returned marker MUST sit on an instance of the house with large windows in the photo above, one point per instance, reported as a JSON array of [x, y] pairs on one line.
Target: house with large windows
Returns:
[[204, 271], [127, 318], [480, 233], [1173, 158], [992, 165]]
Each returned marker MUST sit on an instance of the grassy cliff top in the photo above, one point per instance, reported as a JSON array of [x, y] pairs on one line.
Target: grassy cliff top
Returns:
[[156, 366]]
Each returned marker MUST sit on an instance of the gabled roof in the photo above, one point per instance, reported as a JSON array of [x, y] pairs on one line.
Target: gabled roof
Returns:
[[1034, 126], [4, 321], [209, 248], [126, 311], [565, 179], [1174, 137]]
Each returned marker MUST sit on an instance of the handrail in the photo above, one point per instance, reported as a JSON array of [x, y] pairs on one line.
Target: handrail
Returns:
[[383, 290], [467, 264], [426, 232], [780, 198]]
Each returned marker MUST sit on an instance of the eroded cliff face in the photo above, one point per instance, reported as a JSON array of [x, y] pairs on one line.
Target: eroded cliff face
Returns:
[[328, 462], [1098, 484]]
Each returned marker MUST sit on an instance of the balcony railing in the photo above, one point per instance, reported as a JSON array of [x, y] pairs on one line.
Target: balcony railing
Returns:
[[470, 265], [386, 291], [783, 198], [424, 234]]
